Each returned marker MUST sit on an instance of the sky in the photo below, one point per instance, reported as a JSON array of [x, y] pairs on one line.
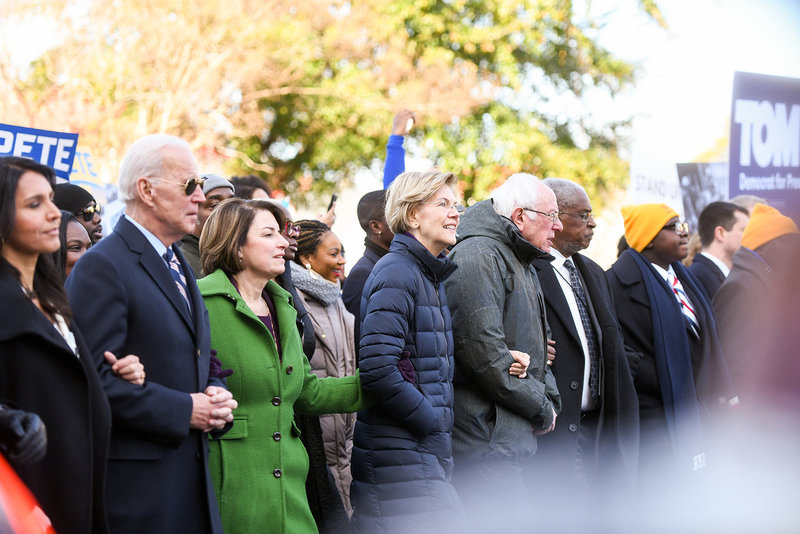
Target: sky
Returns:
[[683, 99]]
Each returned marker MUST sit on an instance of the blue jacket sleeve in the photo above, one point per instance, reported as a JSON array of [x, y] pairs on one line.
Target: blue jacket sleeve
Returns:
[[395, 160]]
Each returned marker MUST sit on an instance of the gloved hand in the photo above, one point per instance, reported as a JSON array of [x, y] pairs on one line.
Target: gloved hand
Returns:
[[23, 437]]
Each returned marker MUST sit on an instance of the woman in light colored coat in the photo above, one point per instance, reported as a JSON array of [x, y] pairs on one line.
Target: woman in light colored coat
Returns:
[[317, 266]]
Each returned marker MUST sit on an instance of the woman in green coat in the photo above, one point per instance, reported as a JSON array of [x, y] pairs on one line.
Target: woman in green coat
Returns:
[[259, 467]]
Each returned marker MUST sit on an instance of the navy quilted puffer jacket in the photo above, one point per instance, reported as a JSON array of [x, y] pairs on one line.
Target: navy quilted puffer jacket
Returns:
[[402, 454]]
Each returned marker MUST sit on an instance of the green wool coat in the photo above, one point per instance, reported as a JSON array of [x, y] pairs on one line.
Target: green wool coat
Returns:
[[259, 468]]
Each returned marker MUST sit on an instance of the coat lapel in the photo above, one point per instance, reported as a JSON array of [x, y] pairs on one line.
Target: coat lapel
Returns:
[[157, 269]]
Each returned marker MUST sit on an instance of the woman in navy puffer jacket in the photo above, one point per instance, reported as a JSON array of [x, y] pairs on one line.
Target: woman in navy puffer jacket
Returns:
[[402, 454]]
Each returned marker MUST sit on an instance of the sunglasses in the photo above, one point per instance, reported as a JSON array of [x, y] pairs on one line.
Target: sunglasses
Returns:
[[678, 227], [291, 229], [190, 185], [88, 212]]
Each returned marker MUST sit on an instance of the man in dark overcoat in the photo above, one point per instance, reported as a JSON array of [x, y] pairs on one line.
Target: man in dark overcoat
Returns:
[[134, 293], [594, 446]]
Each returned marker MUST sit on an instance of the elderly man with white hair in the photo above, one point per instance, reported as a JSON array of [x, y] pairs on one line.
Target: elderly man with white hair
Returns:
[[498, 313], [134, 293]]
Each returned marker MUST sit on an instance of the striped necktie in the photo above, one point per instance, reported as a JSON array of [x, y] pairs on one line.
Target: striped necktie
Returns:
[[686, 305], [177, 275], [588, 329]]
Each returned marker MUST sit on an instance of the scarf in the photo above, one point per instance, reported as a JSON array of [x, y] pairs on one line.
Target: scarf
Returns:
[[674, 362], [319, 288]]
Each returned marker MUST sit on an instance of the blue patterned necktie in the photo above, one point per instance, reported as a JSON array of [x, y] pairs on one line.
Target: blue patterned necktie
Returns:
[[177, 275], [588, 329]]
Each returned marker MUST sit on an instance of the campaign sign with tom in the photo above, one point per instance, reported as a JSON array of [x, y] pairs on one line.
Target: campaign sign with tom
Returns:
[[54, 149], [765, 140]]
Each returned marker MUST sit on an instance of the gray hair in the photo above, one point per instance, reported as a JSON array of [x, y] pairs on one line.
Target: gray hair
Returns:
[[145, 158], [520, 190], [567, 192]]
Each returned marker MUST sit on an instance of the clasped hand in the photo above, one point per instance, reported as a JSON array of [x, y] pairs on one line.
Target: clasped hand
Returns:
[[212, 409]]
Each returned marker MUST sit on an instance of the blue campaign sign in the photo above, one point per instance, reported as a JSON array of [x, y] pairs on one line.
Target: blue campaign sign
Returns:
[[54, 149], [765, 140]]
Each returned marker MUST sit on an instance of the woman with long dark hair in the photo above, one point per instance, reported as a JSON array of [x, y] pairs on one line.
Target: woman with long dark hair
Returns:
[[45, 366]]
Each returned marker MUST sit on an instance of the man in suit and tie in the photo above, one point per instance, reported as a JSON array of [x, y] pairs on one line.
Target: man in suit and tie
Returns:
[[720, 226], [594, 446], [135, 294]]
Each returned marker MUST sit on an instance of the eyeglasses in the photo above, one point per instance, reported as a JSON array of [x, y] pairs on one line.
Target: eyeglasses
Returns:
[[291, 229], [88, 212], [189, 187], [552, 216], [679, 227], [585, 216], [445, 205]]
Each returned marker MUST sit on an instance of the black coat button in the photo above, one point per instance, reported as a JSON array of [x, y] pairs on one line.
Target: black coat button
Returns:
[[276, 436], [574, 384], [573, 427], [277, 473], [276, 401], [289, 370]]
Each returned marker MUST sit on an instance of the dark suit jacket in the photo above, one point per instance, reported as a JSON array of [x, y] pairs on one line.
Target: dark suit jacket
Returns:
[[39, 373], [354, 284], [617, 439], [126, 301], [708, 274]]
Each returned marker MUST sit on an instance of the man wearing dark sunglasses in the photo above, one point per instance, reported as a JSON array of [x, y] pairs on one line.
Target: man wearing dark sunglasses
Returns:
[[134, 293], [216, 189], [81, 203]]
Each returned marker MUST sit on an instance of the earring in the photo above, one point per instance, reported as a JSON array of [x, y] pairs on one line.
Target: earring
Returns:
[[379, 233], [311, 271]]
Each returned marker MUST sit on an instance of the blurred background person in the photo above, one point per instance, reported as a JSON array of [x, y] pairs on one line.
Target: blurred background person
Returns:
[[250, 186], [260, 467], [758, 307], [46, 367], [679, 371], [81, 203], [379, 237], [316, 268], [216, 189], [74, 244], [720, 227], [402, 455]]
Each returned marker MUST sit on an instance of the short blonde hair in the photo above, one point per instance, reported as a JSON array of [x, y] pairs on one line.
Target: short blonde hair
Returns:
[[225, 232], [411, 189]]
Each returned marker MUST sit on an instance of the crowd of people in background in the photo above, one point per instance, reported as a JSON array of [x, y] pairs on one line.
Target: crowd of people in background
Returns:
[[209, 366]]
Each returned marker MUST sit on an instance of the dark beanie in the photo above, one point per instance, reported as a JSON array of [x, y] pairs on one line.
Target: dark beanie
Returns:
[[71, 197]]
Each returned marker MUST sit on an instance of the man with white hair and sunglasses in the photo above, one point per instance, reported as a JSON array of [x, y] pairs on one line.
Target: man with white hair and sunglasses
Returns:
[[135, 293]]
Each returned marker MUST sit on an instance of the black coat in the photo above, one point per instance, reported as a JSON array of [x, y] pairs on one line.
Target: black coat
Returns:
[[709, 370], [125, 301], [617, 445], [39, 373], [708, 274], [354, 284]]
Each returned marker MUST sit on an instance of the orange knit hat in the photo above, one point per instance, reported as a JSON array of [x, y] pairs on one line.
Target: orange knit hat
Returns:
[[765, 224], [644, 221]]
